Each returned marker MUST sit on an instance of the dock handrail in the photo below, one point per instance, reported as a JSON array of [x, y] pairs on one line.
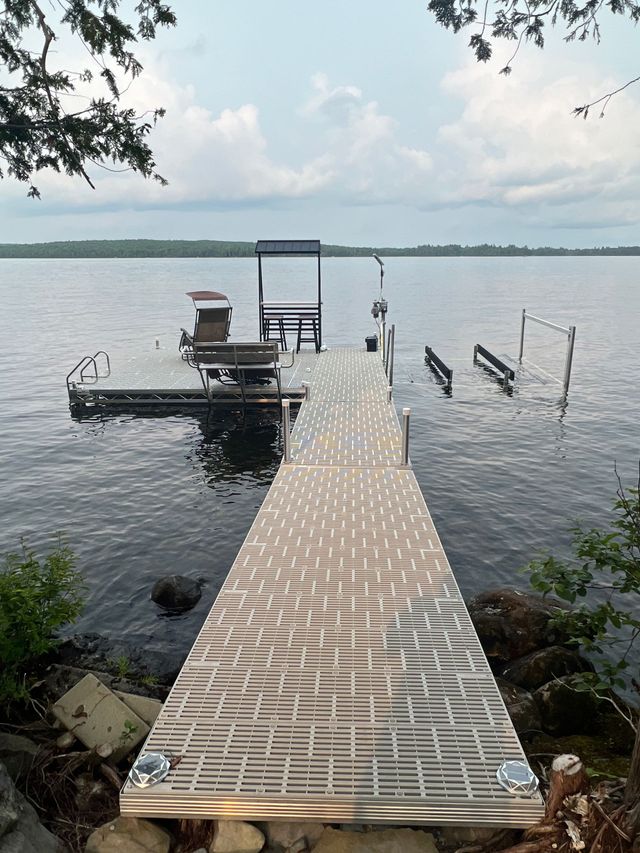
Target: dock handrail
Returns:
[[85, 362]]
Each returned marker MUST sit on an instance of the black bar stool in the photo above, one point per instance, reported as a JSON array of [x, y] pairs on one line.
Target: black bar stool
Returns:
[[274, 330], [308, 324]]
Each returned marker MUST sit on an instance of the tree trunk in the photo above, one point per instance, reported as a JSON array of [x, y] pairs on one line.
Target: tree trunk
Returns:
[[567, 777], [632, 791]]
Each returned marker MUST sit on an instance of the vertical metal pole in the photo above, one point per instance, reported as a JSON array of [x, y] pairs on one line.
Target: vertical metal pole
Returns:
[[524, 317], [260, 299], [383, 332], [569, 360], [285, 431], [319, 303], [406, 414], [392, 351], [386, 359], [389, 393]]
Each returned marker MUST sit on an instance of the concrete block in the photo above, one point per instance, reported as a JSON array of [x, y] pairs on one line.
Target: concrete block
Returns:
[[147, 709], [97, 716]]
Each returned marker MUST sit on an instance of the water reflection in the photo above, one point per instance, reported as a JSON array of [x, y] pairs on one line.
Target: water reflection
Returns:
[[236, 443]]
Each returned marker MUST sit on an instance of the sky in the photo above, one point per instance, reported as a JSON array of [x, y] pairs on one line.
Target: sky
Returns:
[[359, 123]]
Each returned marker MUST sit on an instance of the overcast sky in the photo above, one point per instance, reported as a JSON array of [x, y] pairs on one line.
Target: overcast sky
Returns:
[[360, 123]]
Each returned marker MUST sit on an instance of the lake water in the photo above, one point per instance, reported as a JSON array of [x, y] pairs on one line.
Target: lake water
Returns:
[[141, 497]]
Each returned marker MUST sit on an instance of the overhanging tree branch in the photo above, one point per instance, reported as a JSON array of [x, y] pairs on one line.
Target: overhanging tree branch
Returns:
[[525, 21], [35, 130]]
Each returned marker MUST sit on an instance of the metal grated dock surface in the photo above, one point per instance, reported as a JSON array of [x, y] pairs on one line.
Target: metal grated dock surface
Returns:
[[338, 676]]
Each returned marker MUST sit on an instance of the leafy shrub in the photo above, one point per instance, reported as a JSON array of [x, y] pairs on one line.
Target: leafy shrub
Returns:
[[605, 573], [37, 597]]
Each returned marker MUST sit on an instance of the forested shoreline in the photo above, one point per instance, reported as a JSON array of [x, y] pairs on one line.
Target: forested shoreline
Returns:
[[239, 249]]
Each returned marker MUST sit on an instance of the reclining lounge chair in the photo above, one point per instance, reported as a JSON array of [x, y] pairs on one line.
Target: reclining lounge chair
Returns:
[[213, 320]]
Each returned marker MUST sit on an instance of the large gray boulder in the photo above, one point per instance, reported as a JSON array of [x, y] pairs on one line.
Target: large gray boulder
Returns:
[[9, 805], [17, 754], [564, 710], [376, 841], [522, 708], [511, 624], [176, 592], [20, 827], [539, 667], [129, 835]]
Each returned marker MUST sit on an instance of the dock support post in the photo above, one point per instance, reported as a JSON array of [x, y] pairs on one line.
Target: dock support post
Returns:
[[406, 415], [307, 391], [475, 354], [569, 360], [389, 393], [505, 381], [286, 431], [392, 350], [524, 317]]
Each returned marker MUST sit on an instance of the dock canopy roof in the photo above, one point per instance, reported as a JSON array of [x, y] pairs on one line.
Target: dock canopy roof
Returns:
[[203, 295], [288, 247]]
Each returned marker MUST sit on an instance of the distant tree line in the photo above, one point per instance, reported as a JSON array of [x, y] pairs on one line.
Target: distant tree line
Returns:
[[233, 249]]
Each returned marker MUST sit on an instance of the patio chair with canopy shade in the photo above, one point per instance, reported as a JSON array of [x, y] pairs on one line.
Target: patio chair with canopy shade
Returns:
[[212, 323]]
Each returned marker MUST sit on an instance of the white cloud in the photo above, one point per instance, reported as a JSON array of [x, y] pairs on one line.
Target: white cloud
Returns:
[[517, 144], [225, 158]]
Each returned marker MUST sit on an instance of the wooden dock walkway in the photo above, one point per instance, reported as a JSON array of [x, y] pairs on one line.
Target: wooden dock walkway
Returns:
[[338, 676]]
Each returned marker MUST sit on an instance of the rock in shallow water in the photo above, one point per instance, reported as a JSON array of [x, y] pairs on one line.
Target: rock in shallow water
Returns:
[[511, 624], [539, 667], [176, 592], [521, 706], [565, 710]]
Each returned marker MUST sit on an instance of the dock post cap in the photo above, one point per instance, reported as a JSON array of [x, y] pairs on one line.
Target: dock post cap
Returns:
[[285, 404], [517, 778], [406, 411]]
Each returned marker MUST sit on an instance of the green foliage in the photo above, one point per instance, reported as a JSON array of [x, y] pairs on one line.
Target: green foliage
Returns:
[[37, 597], [149, 680], [121, 665], [605, 577], [46, 119], [524, 21]]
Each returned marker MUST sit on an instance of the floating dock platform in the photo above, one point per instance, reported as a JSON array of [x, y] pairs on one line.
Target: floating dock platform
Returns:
[[338, 676], [161, 377]]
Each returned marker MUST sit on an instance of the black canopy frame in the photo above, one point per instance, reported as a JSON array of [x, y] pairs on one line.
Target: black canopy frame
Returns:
[[303, 318]]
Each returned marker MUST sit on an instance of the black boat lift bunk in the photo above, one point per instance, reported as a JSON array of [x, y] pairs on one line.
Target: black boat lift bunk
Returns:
[[302, 319]]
